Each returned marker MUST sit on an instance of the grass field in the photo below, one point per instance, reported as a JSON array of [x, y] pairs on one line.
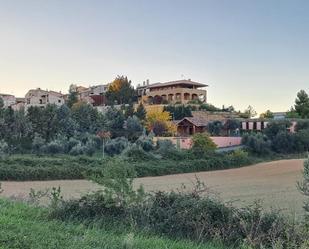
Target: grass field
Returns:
[[275, 183], [24, 227]]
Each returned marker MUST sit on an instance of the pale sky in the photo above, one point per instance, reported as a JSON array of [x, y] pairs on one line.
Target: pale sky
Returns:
[[248, 52]]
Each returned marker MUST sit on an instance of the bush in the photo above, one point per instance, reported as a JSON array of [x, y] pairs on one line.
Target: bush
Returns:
[[136, 153], [37, 144], [257, 143], [116, 146], [283, 142], [54, 147], [78, 149], [145, 142], [4, 148], [201, 142]]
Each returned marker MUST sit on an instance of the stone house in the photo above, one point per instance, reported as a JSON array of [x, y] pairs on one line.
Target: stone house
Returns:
[[41, 98], [179, 91]]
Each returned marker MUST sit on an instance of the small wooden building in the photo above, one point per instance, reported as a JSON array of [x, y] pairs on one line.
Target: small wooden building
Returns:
[[190, 125]]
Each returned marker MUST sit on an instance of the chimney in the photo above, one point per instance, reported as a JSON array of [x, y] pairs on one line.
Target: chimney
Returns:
[[147, 82], [144, 83]]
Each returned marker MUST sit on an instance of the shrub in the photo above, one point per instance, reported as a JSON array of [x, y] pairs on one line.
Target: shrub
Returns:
[[283, 142], [136, 153], [134, 128], [54, 147], [145, 142], [202, 142], [116, 146], [4, 148], [37, 144], [301, 140], [78, 149], [274, 127], [304, 188], [257, 143]]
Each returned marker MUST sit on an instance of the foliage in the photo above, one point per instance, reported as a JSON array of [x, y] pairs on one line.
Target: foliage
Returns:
[[283, 142], [24, 226], [248, 113], [268, 115], [194, 215], [151, 163], [209, 107], [304, 188], [73, 96], [178, 112], [116, 146], [232, 126], [120, 91], [145, 142], [117, 182], [134, 128], [302, 125], [215, 128], [302, 104], [4, 149], [1, 103], [128, 110], [274, 127], [159, 128], [155, 118], [141, 112], [115, 120], [37, 144], [203, 143], [257, 143]]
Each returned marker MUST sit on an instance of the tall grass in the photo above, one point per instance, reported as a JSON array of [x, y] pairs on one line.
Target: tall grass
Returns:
[[24, 227]]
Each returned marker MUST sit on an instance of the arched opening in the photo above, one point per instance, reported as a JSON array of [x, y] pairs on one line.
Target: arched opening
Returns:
[[187, 96], [178, 96], [170, 97], [194, 96], [157, 100], [150, 100]]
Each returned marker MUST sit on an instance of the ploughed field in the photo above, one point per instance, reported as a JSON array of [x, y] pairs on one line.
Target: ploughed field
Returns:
[[274, 183]]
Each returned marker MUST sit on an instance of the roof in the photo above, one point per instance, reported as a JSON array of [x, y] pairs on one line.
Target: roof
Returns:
[[176, 82], [6, 95], [197, 121]]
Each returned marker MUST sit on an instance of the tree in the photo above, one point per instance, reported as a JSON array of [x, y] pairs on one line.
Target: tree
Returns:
[[274, 127], [129, 111], [283, 142], [73, 96], [248, 113], [120, 91], [87, 118], [257, 143], [232, 126], [134, 128], [215, 128], [67, 125], [140, 112], [268, 114], [302, 104], [115, 120], [154, 117], [201, 142], [179, 112]]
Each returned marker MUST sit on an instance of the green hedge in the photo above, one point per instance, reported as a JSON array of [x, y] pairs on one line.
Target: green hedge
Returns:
[[30, 167]]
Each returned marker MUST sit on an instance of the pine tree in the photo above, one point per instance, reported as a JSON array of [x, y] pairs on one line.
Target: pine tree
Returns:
[[141, 112]]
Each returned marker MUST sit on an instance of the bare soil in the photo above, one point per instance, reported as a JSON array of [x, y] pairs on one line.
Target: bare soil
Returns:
[[274, 183]]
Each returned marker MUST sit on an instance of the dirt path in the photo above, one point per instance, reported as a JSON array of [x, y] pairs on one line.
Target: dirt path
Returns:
[[272, 182]]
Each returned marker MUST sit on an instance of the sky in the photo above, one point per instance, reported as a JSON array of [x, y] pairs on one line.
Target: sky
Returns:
[[248, 52]]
